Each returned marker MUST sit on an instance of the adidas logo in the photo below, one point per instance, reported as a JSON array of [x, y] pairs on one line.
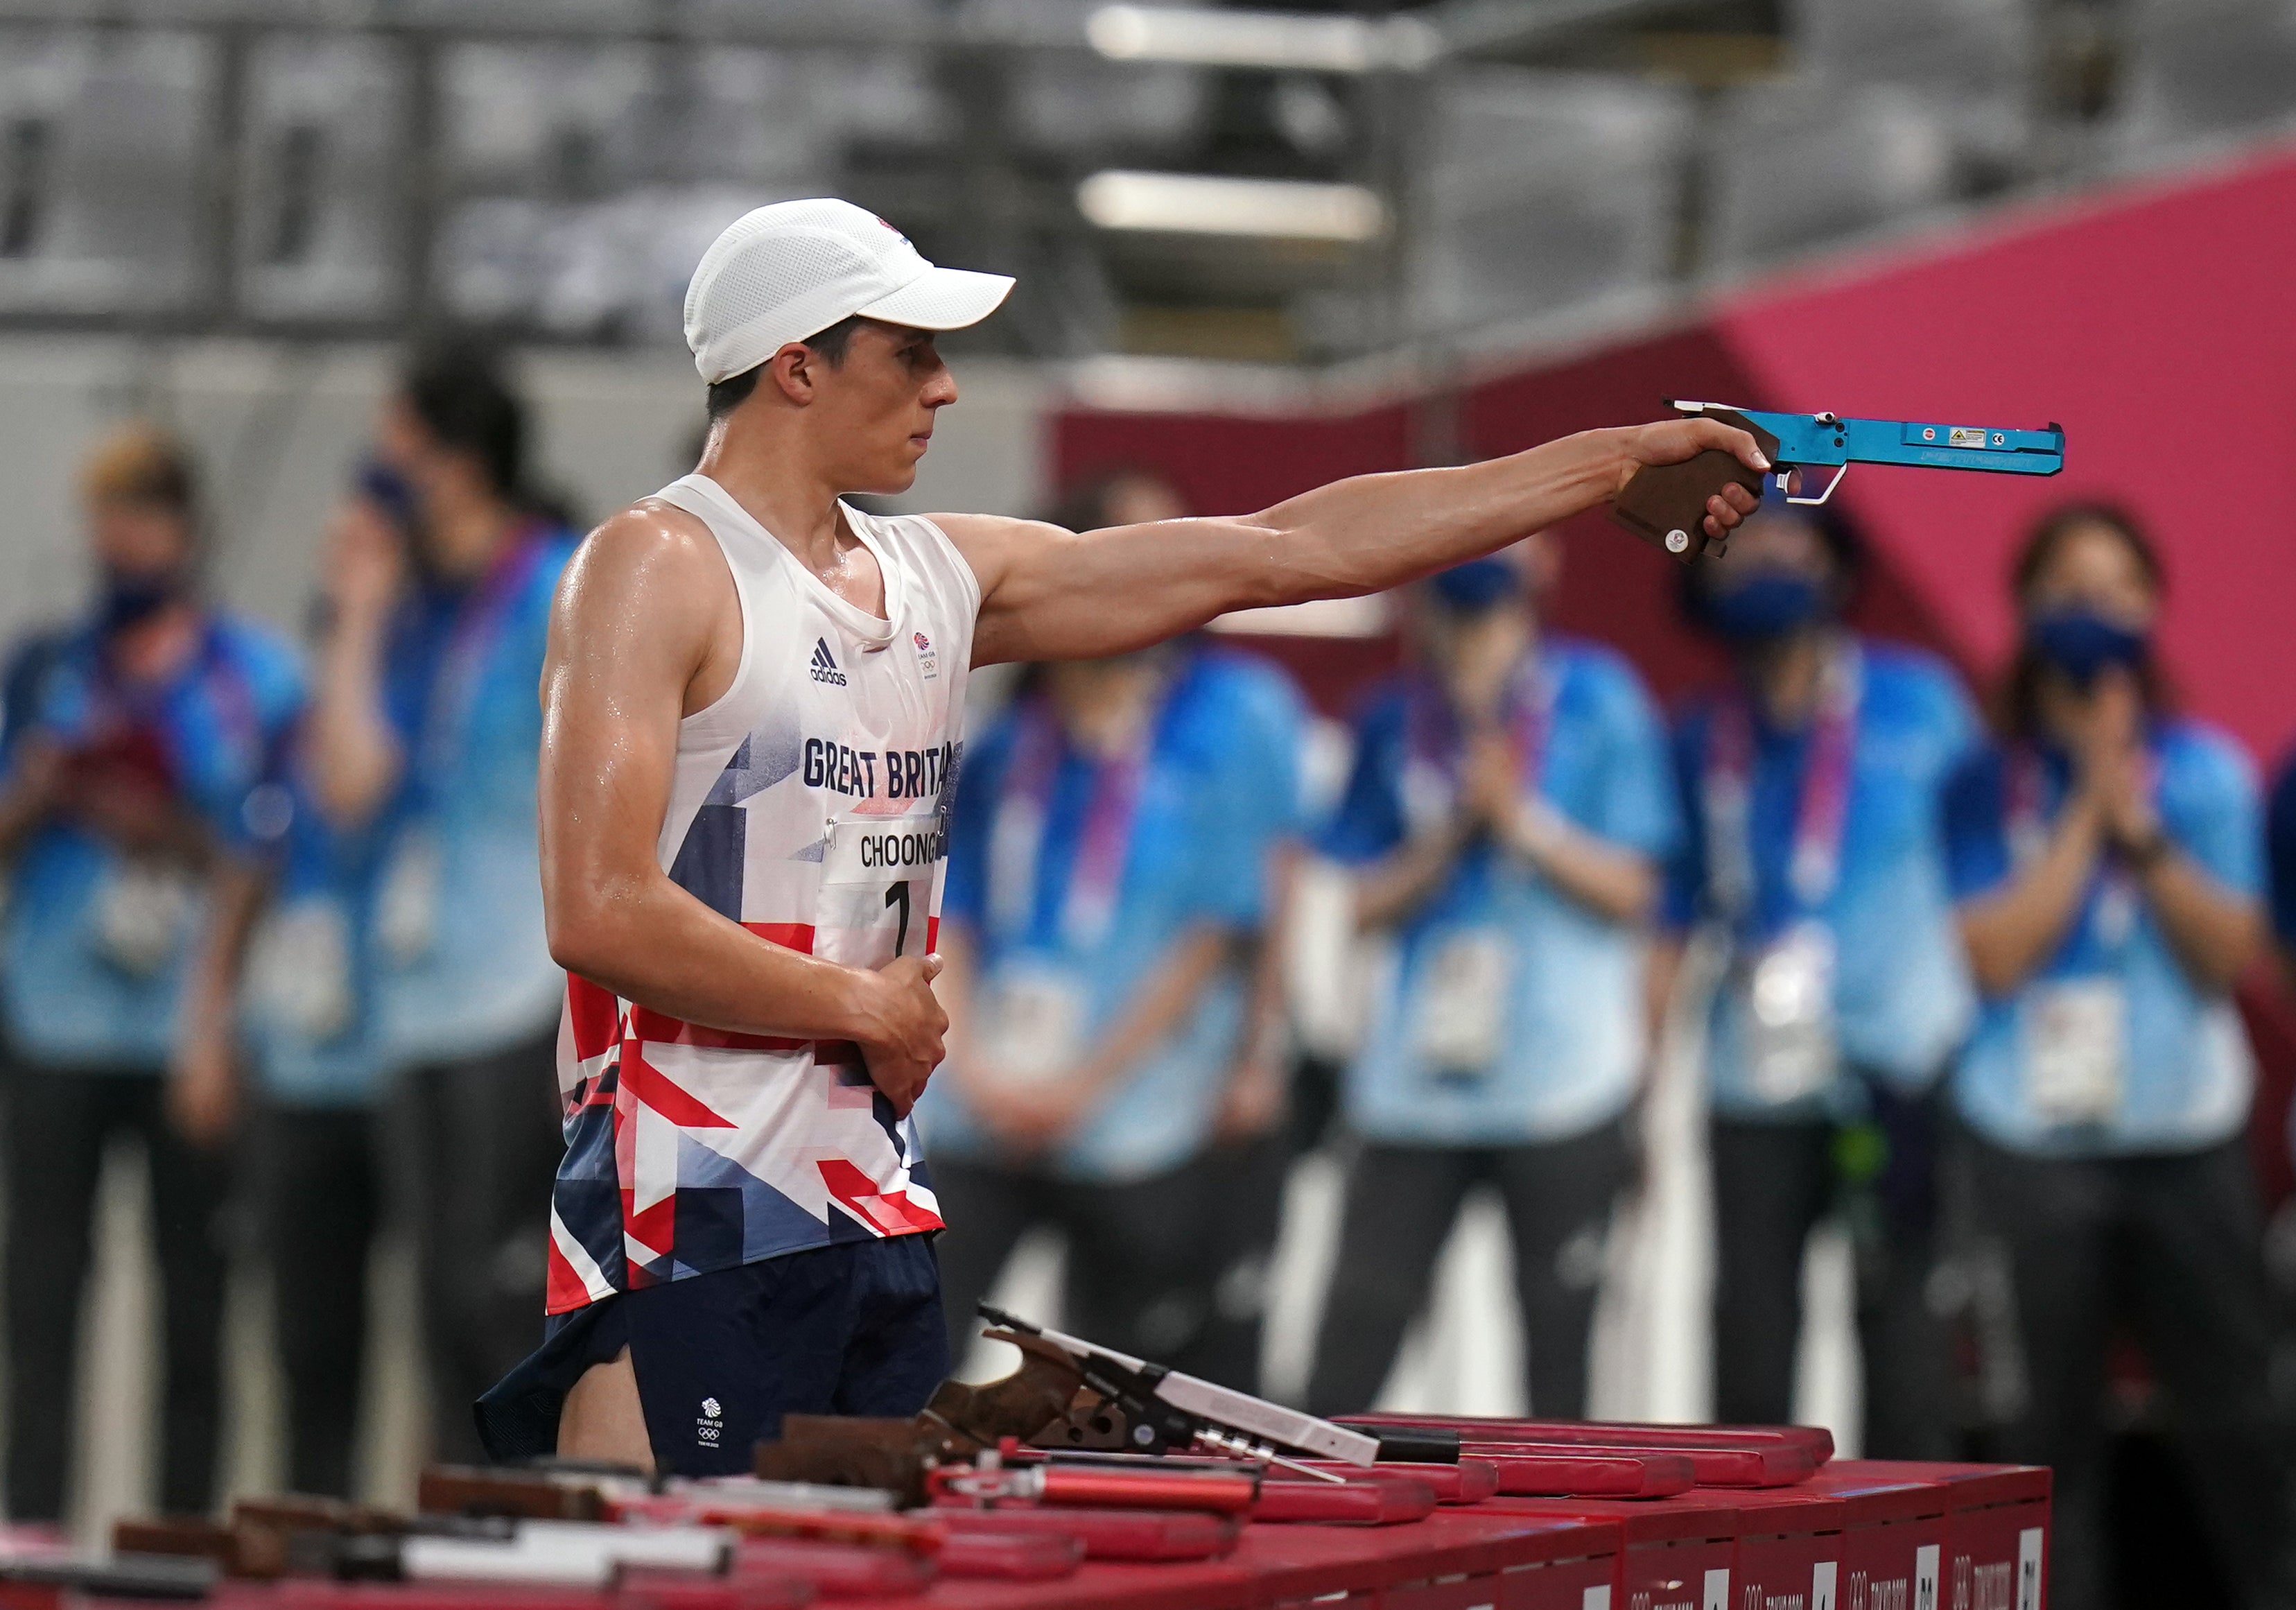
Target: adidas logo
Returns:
[[825, 664]]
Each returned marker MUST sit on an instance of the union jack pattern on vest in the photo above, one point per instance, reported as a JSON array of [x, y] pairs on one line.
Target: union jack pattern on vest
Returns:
[[810, 805]]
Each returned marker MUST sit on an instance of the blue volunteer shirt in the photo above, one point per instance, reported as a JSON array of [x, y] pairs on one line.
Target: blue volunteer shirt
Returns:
[[2187, 1075], [465, 965], [312, 1013], [2281, 841], [1218, 793], [1902, 997], [1571, 1037], [77, 993]]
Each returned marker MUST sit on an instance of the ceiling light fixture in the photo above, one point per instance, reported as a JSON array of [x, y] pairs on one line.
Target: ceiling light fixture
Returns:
[[1278, 41], [1182, 203]]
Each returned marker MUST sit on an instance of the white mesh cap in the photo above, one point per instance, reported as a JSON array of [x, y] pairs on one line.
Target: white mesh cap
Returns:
[[792, 269]]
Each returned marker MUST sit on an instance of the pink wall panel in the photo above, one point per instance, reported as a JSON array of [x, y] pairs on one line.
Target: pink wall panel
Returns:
[[2156, 320], [2158, 325]]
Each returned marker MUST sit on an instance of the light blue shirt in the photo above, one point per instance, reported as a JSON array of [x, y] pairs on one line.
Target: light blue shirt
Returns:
[[1218, 793], [323, 1045], [1570, 1034], [461, 678], [2187, 1074], [1902, 997], [211, 738]]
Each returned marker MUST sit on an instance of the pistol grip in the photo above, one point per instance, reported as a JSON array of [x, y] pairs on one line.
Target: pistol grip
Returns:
[[1666, 504]]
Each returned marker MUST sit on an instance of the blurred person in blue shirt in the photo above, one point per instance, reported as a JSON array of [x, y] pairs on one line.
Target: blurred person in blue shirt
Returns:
[[133, 749], [1811, 787], [425, 730], [2106, 856], [1509, 809], [286, 984], [2280, 845], [1247, 1165], [1110, 868]]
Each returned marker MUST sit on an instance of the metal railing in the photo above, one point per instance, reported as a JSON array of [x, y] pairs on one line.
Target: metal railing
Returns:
[[325, 167]]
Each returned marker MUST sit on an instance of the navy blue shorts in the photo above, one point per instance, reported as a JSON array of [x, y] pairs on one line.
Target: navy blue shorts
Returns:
[[854, 1328]]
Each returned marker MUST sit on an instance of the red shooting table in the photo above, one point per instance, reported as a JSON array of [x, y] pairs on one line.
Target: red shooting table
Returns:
[[1893, 1537], [1789, 1551], [1997, 1530], [1171, 1585], [1858, 1535], [1672, 1556], [1455, 1559]]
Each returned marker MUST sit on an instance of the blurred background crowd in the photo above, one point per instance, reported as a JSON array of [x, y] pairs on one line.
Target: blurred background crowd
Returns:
[[1839, 983]]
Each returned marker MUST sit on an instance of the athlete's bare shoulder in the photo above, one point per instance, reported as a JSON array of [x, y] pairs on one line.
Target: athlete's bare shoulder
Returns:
[[650, 592], [647, 544]]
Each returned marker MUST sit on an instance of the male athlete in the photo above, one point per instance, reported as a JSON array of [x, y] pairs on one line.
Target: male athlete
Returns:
[[754, 700]]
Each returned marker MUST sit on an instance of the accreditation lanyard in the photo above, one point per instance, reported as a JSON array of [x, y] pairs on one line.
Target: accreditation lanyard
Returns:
[[2026, 823], [1436, 742], [117, 707], [470, 642], [1821, 811], [1096, 872]]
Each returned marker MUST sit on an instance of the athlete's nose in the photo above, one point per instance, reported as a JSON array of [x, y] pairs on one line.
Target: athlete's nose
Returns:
[[940, 391]]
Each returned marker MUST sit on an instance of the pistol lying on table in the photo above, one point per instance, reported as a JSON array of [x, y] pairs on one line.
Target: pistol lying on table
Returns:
[[1666, 504], [1147, 1409], [1069, 1396]]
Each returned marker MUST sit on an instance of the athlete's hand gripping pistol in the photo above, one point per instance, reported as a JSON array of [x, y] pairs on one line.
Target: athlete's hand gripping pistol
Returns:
[[1666, 504]]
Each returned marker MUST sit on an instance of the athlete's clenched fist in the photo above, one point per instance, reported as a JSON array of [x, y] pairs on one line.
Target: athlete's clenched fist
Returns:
[[902, 1044]]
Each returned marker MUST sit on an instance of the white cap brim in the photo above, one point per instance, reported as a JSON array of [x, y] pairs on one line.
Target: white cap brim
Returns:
[[941, 299]]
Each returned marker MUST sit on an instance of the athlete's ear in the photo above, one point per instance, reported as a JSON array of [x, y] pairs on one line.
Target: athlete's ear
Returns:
[[796, 369]]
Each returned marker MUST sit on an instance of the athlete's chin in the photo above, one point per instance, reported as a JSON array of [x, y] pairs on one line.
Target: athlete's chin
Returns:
[[891, 480]]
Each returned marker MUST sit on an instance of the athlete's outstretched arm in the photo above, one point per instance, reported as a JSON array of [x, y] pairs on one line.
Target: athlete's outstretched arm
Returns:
[[646, 629], [1052, 595]]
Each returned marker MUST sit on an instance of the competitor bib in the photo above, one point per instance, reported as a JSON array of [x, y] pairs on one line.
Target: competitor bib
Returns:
[[870, 867]]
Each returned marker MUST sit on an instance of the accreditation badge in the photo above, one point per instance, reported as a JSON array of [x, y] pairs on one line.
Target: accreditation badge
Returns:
[[1029, 1023], [1460, 1017], [2076, 1036], [142, 907], [407, 903], [298, 971], [1791, 1052]]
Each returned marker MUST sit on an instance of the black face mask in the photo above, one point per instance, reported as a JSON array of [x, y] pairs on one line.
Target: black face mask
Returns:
[[130, 598]]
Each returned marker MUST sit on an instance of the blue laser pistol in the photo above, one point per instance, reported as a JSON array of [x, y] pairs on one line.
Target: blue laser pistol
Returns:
[[1667, 505]]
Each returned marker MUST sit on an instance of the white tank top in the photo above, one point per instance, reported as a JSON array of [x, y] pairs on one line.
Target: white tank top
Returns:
[[810, 804]]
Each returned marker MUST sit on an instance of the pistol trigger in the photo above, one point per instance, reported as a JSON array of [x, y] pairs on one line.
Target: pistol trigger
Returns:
[[1841, 470]]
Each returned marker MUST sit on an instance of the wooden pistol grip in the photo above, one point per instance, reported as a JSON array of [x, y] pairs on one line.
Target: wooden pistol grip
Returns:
[[1666, 504]]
